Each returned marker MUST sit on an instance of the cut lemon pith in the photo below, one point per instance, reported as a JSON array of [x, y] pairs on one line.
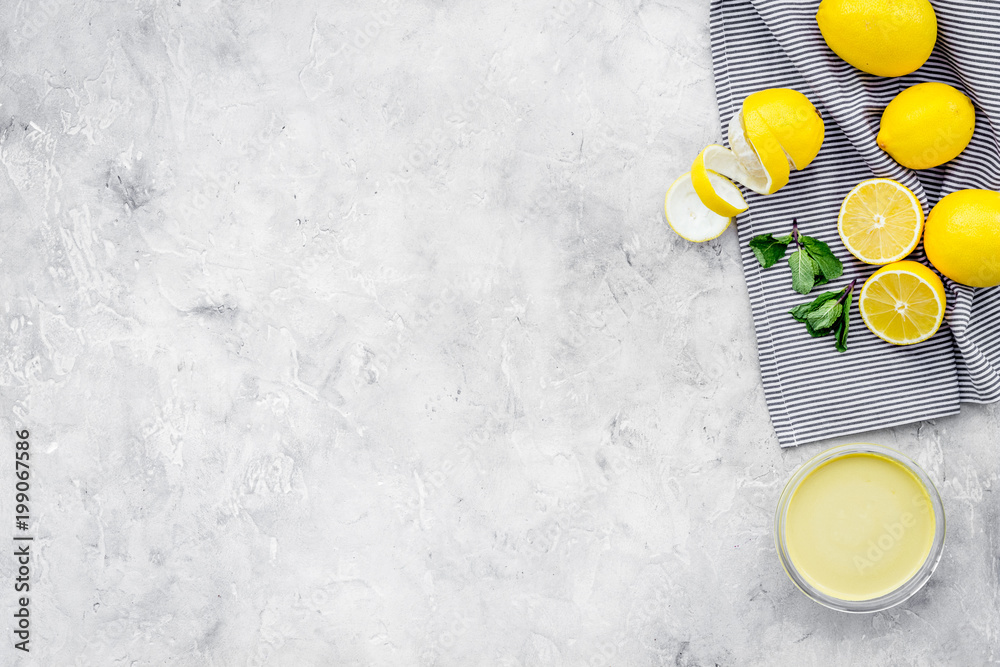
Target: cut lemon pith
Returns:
[[757, 178], [767, 150], [880, 221], [714, 189], [687, 216], [903, 303]]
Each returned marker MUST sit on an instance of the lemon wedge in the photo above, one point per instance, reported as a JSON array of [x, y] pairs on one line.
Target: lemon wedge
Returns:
[[687, 216], [903, 303], [880, 221]]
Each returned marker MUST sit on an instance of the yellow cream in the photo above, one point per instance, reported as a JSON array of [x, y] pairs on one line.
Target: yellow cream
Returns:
[[859, 526]]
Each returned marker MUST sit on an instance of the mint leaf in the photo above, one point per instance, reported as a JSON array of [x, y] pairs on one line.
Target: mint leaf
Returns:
[[803, 271], [829, 313], [812, 263], [819, 278], [825, 315], [844, 324], [768, 250], [807, 313], [799, 312], [825, 260]]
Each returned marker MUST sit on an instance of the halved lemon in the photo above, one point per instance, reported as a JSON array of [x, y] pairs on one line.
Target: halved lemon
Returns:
[[687, 216], [903, 303], [880, 221]]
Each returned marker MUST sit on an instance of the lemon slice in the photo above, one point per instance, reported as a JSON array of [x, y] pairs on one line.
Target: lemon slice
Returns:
[[880, 221], [903, 303], [687, 216], [714, 189]]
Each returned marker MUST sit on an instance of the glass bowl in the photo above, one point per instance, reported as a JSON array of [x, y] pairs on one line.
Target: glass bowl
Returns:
[[905, 590]]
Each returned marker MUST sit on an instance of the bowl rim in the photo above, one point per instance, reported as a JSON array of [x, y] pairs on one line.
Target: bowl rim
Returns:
[[907, 589]]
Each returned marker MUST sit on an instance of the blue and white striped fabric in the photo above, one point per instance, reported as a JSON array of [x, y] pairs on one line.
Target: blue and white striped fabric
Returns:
[[812, 391]]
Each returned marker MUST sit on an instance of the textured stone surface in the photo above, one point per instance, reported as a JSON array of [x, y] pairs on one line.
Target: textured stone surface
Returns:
[[352, 334]]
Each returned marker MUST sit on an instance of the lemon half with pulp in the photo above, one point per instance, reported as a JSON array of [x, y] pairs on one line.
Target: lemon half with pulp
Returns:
[[903, 303], [880, 221]]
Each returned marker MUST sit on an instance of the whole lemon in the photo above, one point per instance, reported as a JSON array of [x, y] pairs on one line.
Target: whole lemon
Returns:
[[962, 237], [792, 118], [881, 37], [927, 125]]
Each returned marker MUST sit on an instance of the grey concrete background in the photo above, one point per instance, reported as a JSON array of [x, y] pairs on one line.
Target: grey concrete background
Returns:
[[352, 334]]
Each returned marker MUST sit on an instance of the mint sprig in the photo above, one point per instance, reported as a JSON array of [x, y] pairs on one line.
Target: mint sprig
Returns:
[[812, 263], [828, 314]]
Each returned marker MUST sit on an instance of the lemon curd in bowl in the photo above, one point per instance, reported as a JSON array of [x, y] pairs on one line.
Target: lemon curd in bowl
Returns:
[[859, 528]]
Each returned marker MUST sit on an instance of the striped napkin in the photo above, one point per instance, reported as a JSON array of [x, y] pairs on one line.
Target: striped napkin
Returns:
[[812, 391]]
